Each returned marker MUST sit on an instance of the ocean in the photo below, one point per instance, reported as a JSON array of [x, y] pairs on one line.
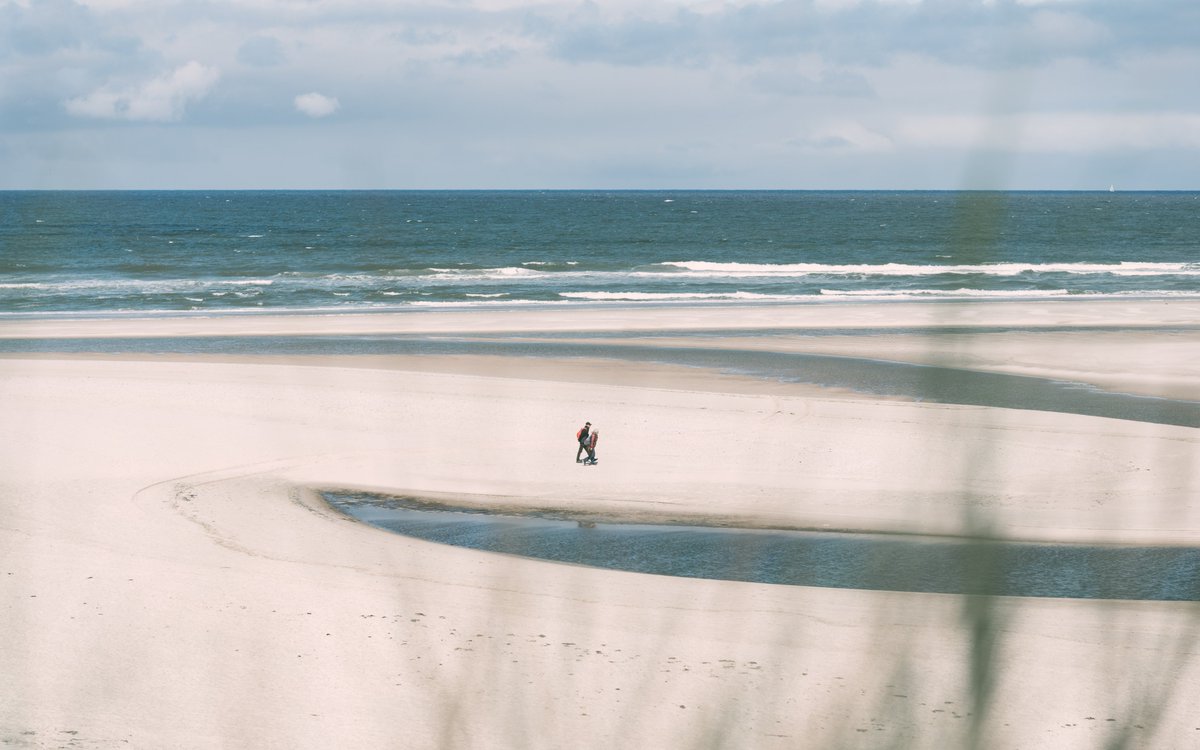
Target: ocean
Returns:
[[209, 252]]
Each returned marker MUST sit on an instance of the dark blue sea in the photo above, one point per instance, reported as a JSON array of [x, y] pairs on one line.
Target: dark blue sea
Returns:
[[140, 252]]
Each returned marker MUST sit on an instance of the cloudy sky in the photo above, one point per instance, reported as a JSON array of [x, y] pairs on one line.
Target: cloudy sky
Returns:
[[891, 94]]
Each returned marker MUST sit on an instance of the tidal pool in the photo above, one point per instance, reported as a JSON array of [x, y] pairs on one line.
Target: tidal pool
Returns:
[[801, 558]]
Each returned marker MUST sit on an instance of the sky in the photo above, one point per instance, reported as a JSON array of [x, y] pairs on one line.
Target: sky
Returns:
[[627, 94]]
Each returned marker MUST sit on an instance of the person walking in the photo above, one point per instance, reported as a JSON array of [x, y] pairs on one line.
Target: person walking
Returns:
[[583, 437], [593, 438]]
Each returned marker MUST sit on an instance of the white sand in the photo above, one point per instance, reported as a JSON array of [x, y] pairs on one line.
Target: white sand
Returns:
[[170, 579]]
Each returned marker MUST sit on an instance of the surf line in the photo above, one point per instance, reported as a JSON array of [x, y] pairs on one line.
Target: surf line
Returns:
[[797, 558]]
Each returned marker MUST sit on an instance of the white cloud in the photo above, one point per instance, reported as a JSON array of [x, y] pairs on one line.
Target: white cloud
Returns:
[[161, 99], [844, 136], [316, 105]]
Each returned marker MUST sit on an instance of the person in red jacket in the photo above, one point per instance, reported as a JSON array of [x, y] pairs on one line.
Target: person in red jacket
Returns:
[[593, 438]]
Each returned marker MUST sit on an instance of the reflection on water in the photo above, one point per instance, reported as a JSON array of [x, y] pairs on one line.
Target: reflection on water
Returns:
[[858, 561]]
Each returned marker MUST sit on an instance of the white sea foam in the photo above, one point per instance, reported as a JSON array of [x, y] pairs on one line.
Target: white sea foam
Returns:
[[667, 296], [480, 303], [741, 270], [126, 286], [1146, 293], [485, 274], [1001, 293], [893, 293]]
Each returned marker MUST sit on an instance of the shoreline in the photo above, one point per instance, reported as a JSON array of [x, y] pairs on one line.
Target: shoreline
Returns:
[[167, 551]]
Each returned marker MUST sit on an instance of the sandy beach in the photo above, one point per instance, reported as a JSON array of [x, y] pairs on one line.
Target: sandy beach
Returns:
[[172, 578]]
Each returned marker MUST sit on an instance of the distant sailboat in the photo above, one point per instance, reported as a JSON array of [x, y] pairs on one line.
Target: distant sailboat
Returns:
[[1112, 189]]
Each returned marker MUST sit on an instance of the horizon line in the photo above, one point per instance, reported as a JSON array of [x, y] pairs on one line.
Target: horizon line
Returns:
[[1110, 190]]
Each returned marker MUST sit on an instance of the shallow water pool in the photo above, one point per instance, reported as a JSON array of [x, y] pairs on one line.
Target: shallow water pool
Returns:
[[802, 558]]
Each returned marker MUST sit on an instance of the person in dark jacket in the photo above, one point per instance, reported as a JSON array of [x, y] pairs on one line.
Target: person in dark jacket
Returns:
[[584, 437]]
